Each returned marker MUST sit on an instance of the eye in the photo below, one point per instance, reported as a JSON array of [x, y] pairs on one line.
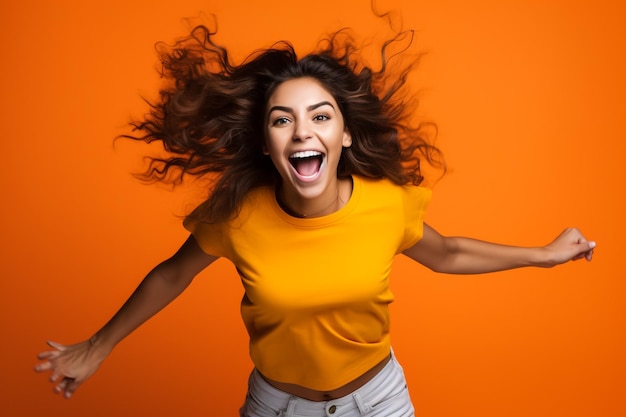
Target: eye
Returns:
[[321, 117], [279, 121]]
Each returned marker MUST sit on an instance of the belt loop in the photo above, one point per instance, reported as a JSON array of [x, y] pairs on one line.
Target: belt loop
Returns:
[[291, 407], [363, 408]]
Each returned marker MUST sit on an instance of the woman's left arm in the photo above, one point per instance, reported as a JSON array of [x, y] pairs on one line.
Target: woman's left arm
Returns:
[[461, 255]]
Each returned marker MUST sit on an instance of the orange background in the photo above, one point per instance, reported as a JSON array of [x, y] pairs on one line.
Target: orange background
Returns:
[[529, 98]]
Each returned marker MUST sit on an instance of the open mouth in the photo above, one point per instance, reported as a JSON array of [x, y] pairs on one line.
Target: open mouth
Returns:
[[306, 163]]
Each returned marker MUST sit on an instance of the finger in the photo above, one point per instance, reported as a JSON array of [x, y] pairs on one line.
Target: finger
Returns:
[[71, 388], [56, 345], [61, 386], [42, 367], [54, 377], [49, 354], [588, 253]]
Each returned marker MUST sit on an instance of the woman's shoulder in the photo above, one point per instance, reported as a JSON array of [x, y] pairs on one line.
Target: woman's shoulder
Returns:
[[260, 195], [258, 200], [388, 187]]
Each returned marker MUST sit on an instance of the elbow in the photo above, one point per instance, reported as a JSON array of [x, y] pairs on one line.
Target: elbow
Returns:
[[172, 274], [445, 260], [440, 268]]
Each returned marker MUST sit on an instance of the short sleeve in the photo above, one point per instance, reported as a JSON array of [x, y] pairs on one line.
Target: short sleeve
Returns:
[[415, 201], [210, 236]]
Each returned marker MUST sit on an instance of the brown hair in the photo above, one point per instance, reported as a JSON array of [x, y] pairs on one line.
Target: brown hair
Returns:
[[210, 115]]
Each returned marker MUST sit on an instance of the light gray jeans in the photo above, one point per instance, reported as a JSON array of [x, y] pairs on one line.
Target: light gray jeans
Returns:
[[385, 395]]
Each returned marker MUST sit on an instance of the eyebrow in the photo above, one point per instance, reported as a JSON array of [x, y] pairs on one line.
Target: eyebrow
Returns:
[[310, 108]]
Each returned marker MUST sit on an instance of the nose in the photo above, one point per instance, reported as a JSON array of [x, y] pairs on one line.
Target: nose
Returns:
[[302, 131]]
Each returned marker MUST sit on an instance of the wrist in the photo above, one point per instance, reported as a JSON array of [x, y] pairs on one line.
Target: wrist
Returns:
[[542, 257], [99, 344]]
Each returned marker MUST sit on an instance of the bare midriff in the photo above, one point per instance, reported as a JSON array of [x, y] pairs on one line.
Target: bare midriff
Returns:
[[314, 395]]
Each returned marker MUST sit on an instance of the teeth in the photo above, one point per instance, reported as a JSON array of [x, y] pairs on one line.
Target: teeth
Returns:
[[305, 154]]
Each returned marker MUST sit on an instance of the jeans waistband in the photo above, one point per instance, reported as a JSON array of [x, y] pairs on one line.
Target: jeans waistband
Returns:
[[373, 392]]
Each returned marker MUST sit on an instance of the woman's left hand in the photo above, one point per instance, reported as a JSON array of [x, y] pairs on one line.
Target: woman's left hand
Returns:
[[570, 245]]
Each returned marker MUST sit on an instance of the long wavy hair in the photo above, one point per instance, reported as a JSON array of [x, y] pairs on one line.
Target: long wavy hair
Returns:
[[210, 116]]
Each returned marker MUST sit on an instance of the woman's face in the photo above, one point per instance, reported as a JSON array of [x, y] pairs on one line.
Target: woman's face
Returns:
[[304, 136]]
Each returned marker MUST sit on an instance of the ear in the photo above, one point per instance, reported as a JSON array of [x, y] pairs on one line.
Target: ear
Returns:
[[347, 139]]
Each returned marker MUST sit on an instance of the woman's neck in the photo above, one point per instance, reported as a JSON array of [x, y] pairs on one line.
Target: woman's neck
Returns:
[[330, 202]]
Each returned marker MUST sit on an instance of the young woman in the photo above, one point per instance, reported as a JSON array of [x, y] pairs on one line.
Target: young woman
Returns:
[[315, 171]]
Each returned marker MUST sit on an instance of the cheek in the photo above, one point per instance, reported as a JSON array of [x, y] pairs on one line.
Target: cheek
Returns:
[[270, 145], [269, 142], [276, 140], [266, 146], [273, 148]]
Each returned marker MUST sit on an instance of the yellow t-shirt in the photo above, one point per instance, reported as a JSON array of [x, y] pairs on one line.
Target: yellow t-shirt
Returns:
[[316, 289]]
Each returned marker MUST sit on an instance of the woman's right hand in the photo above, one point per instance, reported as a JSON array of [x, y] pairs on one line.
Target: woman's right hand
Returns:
[[71, 365]]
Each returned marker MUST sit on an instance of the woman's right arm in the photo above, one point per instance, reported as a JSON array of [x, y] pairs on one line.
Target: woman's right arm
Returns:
[[71, 365]]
